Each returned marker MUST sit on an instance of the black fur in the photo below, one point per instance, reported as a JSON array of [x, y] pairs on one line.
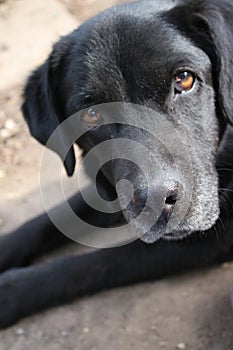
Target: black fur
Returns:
[[130, 53]]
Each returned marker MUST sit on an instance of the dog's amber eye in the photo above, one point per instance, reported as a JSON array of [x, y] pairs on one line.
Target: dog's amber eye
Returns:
[[91, 117], [184, 81]]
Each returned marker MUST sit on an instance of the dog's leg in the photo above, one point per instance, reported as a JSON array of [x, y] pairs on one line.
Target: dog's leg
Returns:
[[24, 291], [39, 235], [28, 241]]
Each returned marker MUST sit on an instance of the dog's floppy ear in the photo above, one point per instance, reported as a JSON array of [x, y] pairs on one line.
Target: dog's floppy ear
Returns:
[[213, 20], [40, 108]]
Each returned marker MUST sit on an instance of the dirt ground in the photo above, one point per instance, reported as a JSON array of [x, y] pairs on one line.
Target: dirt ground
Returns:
[[190, 312]]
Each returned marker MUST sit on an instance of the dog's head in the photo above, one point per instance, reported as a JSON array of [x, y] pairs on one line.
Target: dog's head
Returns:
[[174, 60]]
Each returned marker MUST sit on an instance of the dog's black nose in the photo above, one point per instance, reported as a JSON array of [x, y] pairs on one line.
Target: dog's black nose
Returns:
[[160, 199]]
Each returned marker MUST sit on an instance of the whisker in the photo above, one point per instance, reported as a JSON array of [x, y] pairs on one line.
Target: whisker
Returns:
[[216, 230], [222, 224], [226, 198], [225, 189], [224, 169], [224, 195]]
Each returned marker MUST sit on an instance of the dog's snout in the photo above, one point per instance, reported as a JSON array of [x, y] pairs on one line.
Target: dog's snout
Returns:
[[161, 198]]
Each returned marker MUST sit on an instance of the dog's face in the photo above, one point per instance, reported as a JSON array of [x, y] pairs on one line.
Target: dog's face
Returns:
[[154, 56]]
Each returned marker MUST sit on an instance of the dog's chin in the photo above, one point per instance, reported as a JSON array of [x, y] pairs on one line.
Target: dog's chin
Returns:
[[157, 230]]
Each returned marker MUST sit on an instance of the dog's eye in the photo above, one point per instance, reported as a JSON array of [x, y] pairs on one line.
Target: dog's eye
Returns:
[[184, 81], [91, 117]]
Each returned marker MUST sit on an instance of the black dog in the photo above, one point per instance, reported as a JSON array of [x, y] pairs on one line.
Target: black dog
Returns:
[[175, 58]]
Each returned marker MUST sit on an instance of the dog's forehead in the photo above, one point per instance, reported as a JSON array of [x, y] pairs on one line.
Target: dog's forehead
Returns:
[[143, 8], [124, 47], [137, 26]]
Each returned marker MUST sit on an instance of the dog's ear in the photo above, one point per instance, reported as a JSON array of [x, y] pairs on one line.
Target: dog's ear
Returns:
[[42, 107], [213, 20]]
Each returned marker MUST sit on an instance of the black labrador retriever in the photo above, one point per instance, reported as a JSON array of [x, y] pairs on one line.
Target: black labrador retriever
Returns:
[[175, 59]]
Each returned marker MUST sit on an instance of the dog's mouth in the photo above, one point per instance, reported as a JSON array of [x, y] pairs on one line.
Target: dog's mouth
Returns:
[[149, 229], [153, 235], [176, 235]]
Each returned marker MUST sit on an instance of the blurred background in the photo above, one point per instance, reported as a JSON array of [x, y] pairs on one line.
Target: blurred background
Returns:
[[190, 312]]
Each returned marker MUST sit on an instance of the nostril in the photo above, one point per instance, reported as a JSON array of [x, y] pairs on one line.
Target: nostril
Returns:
[[172, 196], [169, 204], [171, 200]]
